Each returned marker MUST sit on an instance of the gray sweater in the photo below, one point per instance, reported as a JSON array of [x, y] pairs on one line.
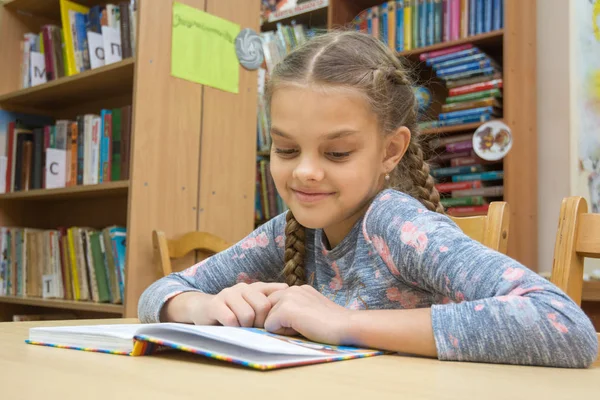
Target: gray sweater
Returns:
[[485, 306]]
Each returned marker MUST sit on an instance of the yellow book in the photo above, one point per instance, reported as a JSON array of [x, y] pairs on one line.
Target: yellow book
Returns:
[[392, 25], [66, 8], [73, 264], [408, 5]]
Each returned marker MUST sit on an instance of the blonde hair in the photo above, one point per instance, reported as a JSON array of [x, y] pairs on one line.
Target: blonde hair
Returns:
[[358, 61]]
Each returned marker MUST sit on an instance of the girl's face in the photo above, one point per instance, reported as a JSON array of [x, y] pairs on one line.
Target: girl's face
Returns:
[[328, 157]]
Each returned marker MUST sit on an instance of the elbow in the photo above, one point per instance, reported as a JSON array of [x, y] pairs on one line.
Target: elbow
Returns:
[[575, 346]]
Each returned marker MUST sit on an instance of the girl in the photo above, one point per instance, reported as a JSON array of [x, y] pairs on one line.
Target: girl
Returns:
[[365, 255]]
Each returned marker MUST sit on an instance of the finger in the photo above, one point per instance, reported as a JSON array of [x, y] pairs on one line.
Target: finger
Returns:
[[242, 310], [260, 304], [278, 320], [276, 297], [223, 315], [269, 287]]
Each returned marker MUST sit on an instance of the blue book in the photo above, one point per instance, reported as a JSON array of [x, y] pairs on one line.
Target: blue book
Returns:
[[472, 17], [430, 23], [400, 25], [487, 16], [469, 66], [497, 15], [437, 21], [473, 112], [384, 21], [481, 176], [105, 150], [118, 236], [423, 23], [459, 61], [468, 119], [479, 17], [468, 74], [443, 172], [447, 57], [369, 21], [82, 50]]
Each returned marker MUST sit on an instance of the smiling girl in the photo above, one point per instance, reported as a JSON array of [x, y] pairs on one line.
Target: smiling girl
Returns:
[[365, 255]]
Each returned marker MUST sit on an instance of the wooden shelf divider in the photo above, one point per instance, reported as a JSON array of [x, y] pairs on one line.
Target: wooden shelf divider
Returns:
[[64, 304], [100, 190], [494, 37]]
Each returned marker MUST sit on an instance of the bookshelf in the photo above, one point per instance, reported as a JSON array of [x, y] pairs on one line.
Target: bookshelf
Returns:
[[514, 46], [182, 167]]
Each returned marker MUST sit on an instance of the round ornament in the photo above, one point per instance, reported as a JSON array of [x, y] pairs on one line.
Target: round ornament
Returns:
[[492, 140], [248, 48]]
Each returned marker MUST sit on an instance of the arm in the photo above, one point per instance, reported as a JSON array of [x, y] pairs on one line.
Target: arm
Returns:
[[258, 257], [490, 308]]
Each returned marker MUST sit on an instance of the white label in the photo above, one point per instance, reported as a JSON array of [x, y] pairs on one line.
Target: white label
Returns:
[[112, 45], [37, 68], [56, 161], [96, 48], [48, 286]]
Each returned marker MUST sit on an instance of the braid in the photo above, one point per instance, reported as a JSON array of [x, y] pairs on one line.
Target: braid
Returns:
[[293, 269], [412, 175]]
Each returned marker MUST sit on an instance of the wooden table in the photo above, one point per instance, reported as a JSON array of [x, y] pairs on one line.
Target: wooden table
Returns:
[[36, 372]]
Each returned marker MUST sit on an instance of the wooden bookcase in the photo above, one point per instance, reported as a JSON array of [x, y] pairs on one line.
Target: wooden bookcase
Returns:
[[515, 47], [189, 163]]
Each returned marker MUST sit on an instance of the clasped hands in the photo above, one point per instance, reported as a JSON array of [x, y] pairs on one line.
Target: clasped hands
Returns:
[[279, 309]]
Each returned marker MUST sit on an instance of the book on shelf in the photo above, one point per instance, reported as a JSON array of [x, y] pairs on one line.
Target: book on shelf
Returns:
[[275, 10], [40, 153], [86, 38], [77, 263], [410, 24], [249, 347]]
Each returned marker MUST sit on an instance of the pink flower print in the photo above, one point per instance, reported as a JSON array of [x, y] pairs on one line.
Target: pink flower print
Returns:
[[453, 340], [513, 274], [404, 200], [377, 274], [460, 297], [280, 241], [447, 300], [245, 278], [479, 307], [336, 282], [421, 210], [385, 197], [355, 305], [191, 271], [443, 249], [413, 237], [261, 241], [406, 298], [519, 291], [384, 251], [559, 327], [557, 304]]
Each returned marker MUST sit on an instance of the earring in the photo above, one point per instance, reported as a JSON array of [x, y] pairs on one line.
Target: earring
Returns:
[[387, 177]]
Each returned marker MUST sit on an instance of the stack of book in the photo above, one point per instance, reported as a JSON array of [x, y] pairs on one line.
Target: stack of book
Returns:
[[474, 83], [466, 182], [268, 203], [73, 264], [91, 149], [409, 24], [88, 38]]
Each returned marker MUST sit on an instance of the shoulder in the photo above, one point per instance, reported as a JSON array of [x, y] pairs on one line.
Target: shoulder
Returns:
[[395, 211]]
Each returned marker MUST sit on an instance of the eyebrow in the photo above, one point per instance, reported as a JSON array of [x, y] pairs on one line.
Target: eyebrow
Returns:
[[330, 136]]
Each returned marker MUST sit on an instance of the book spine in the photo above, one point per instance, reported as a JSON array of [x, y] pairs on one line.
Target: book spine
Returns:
[[430, 22], [460, 146], [469, 66], [392, 26], [444, 172], [408, 18], [474, 96], [400, 25], [449, 50], [490, 191], [483, 176], [466, 113], [125, 30], [457, 186], [463, 201], [476, 87], [472, 16], [437, 21], [467, 210], [464, 161]]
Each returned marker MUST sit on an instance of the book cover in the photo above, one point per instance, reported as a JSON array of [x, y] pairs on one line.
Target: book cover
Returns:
[[67, 8]]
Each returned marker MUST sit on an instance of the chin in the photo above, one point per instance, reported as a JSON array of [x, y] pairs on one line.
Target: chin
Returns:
[[309, 219]]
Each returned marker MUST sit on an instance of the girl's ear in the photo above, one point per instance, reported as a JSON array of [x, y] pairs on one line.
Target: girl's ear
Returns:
[[396, 145]]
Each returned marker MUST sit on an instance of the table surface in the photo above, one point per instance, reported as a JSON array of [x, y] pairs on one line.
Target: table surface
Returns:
[[38, 372]]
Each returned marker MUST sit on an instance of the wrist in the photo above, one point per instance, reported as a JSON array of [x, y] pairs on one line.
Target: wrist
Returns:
[[350, 328]]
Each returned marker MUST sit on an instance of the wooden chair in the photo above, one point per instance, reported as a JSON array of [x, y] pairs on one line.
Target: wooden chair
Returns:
[[490, 229], [172, 249], [578, 236]]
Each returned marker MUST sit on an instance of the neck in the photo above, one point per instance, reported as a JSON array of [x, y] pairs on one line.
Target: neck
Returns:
[[337, 232]]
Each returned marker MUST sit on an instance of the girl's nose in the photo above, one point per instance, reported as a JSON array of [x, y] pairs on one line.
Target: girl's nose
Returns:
[[308, 169]]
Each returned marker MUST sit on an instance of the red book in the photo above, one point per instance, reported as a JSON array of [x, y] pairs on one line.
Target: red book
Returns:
[[451, 186], [476, 87], [467, 210]]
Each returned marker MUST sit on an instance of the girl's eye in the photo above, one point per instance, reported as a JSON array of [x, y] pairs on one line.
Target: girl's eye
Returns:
[[338, 156], [285, 152]]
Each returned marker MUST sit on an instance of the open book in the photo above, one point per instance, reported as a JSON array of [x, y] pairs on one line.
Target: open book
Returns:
[[251, 347]]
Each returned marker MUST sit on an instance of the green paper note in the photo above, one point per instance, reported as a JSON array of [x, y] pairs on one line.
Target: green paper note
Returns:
[[203, 49]]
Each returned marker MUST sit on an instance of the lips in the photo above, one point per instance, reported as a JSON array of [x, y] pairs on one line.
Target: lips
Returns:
[[309, 196]]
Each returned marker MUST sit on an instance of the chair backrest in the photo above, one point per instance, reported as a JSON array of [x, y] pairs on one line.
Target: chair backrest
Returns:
[[490, 229], [176, 248], [577, 237]]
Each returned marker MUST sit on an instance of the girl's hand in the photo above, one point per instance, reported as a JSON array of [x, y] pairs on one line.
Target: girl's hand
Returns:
[[303, 310], [244, 305]]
